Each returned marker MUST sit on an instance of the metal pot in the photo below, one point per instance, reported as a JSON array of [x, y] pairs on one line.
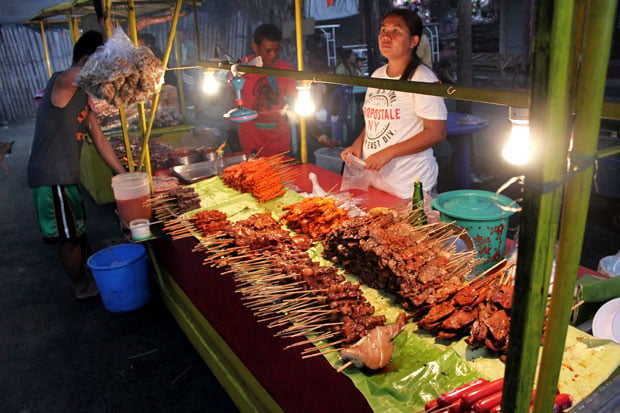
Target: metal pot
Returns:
[[184, 156], [208, 154]]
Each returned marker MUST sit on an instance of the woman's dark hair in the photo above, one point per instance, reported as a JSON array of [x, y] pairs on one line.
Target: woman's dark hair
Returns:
[[87, 44], [266, 31]]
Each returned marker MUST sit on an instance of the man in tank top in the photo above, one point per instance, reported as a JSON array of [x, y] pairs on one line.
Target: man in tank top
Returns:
[[64, 117]]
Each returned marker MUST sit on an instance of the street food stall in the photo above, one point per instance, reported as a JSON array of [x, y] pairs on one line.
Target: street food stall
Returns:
[[262, 372]]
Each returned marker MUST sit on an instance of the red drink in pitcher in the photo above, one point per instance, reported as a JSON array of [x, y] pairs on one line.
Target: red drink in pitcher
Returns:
[[132, 192], [130, 209]]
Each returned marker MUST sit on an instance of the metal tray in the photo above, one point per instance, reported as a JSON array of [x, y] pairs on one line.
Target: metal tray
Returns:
[[194, 172], [234, 159]]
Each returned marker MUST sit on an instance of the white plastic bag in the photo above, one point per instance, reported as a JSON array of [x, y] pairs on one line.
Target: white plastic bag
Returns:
[[317, 190], [355, 175], [610, 265]]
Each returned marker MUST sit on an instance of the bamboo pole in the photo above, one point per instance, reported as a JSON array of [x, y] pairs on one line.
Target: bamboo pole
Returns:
[[590, 92], [46, 51], [133, 34], [121, 109], [76, 29], [108, 17], [196, 30], [171, 36], [71, 29], [180, 86], [518, 98], [300, 67], [608, 152], [549, 112]]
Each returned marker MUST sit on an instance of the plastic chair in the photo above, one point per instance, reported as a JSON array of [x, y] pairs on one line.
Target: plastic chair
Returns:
[[335, 123]]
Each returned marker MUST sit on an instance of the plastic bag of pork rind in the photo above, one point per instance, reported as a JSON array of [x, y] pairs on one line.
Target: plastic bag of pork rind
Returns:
[[120, 72]]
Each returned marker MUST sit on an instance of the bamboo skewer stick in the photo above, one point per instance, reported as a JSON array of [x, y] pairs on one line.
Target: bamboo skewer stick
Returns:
[[344, 367], [312, 340], [300, 330], [308, 354], [316, 348], [486, 272], [303, 319]]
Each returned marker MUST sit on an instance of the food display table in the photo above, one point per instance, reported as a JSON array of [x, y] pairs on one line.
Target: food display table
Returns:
[[243, 353], [252, 365]]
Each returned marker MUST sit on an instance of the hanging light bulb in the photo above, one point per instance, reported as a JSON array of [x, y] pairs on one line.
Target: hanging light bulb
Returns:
[[517, 150], [304, 105], [210, 85]]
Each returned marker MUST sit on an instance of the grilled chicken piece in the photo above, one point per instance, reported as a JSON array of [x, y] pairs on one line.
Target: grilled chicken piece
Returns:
[[374, 350]]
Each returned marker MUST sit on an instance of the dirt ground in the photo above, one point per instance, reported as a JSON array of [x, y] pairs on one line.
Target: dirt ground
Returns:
[[57, 354]]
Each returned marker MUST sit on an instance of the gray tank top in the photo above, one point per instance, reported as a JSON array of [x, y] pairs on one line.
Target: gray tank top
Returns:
[[58, 138]]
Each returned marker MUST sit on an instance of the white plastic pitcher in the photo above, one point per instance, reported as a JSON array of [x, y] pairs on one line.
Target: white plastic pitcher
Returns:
[[132, 193]]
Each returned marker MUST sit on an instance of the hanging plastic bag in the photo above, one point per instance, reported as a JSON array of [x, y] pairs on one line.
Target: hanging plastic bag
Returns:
[[355, 175], [120, 72]]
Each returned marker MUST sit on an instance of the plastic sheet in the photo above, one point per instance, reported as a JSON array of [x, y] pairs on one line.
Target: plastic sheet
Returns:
[[610, 265]]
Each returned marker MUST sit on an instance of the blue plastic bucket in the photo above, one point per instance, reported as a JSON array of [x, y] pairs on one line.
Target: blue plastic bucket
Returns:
[[122, 277]]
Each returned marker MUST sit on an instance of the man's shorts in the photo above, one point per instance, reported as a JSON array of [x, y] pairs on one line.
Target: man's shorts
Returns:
[[60, 212]]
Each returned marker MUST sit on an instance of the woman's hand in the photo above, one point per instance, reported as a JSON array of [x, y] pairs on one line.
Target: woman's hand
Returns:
[[350, 150], [378, 160]]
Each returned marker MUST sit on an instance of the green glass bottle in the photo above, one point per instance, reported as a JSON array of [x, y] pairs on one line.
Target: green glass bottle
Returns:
[[417, 204]]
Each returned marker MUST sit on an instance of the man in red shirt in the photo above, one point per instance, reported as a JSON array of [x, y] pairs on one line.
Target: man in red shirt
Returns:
[[270, 132]]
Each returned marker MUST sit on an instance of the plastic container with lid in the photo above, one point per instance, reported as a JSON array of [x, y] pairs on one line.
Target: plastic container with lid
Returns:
[[140, 229], [132, 193], [484, 215]]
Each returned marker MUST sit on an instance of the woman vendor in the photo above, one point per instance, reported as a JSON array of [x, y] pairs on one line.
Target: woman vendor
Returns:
[[400, 127]]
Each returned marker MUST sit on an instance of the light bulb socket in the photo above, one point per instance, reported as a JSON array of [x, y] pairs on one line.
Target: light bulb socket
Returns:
[[519, 115], [303, 84]]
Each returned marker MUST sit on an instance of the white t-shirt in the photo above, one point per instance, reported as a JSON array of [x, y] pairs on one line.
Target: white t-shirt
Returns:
[[393, 116]]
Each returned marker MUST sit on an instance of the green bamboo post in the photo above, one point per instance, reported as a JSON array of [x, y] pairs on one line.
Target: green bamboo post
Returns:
[[590, 92], [549, 113], [603, 153]]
